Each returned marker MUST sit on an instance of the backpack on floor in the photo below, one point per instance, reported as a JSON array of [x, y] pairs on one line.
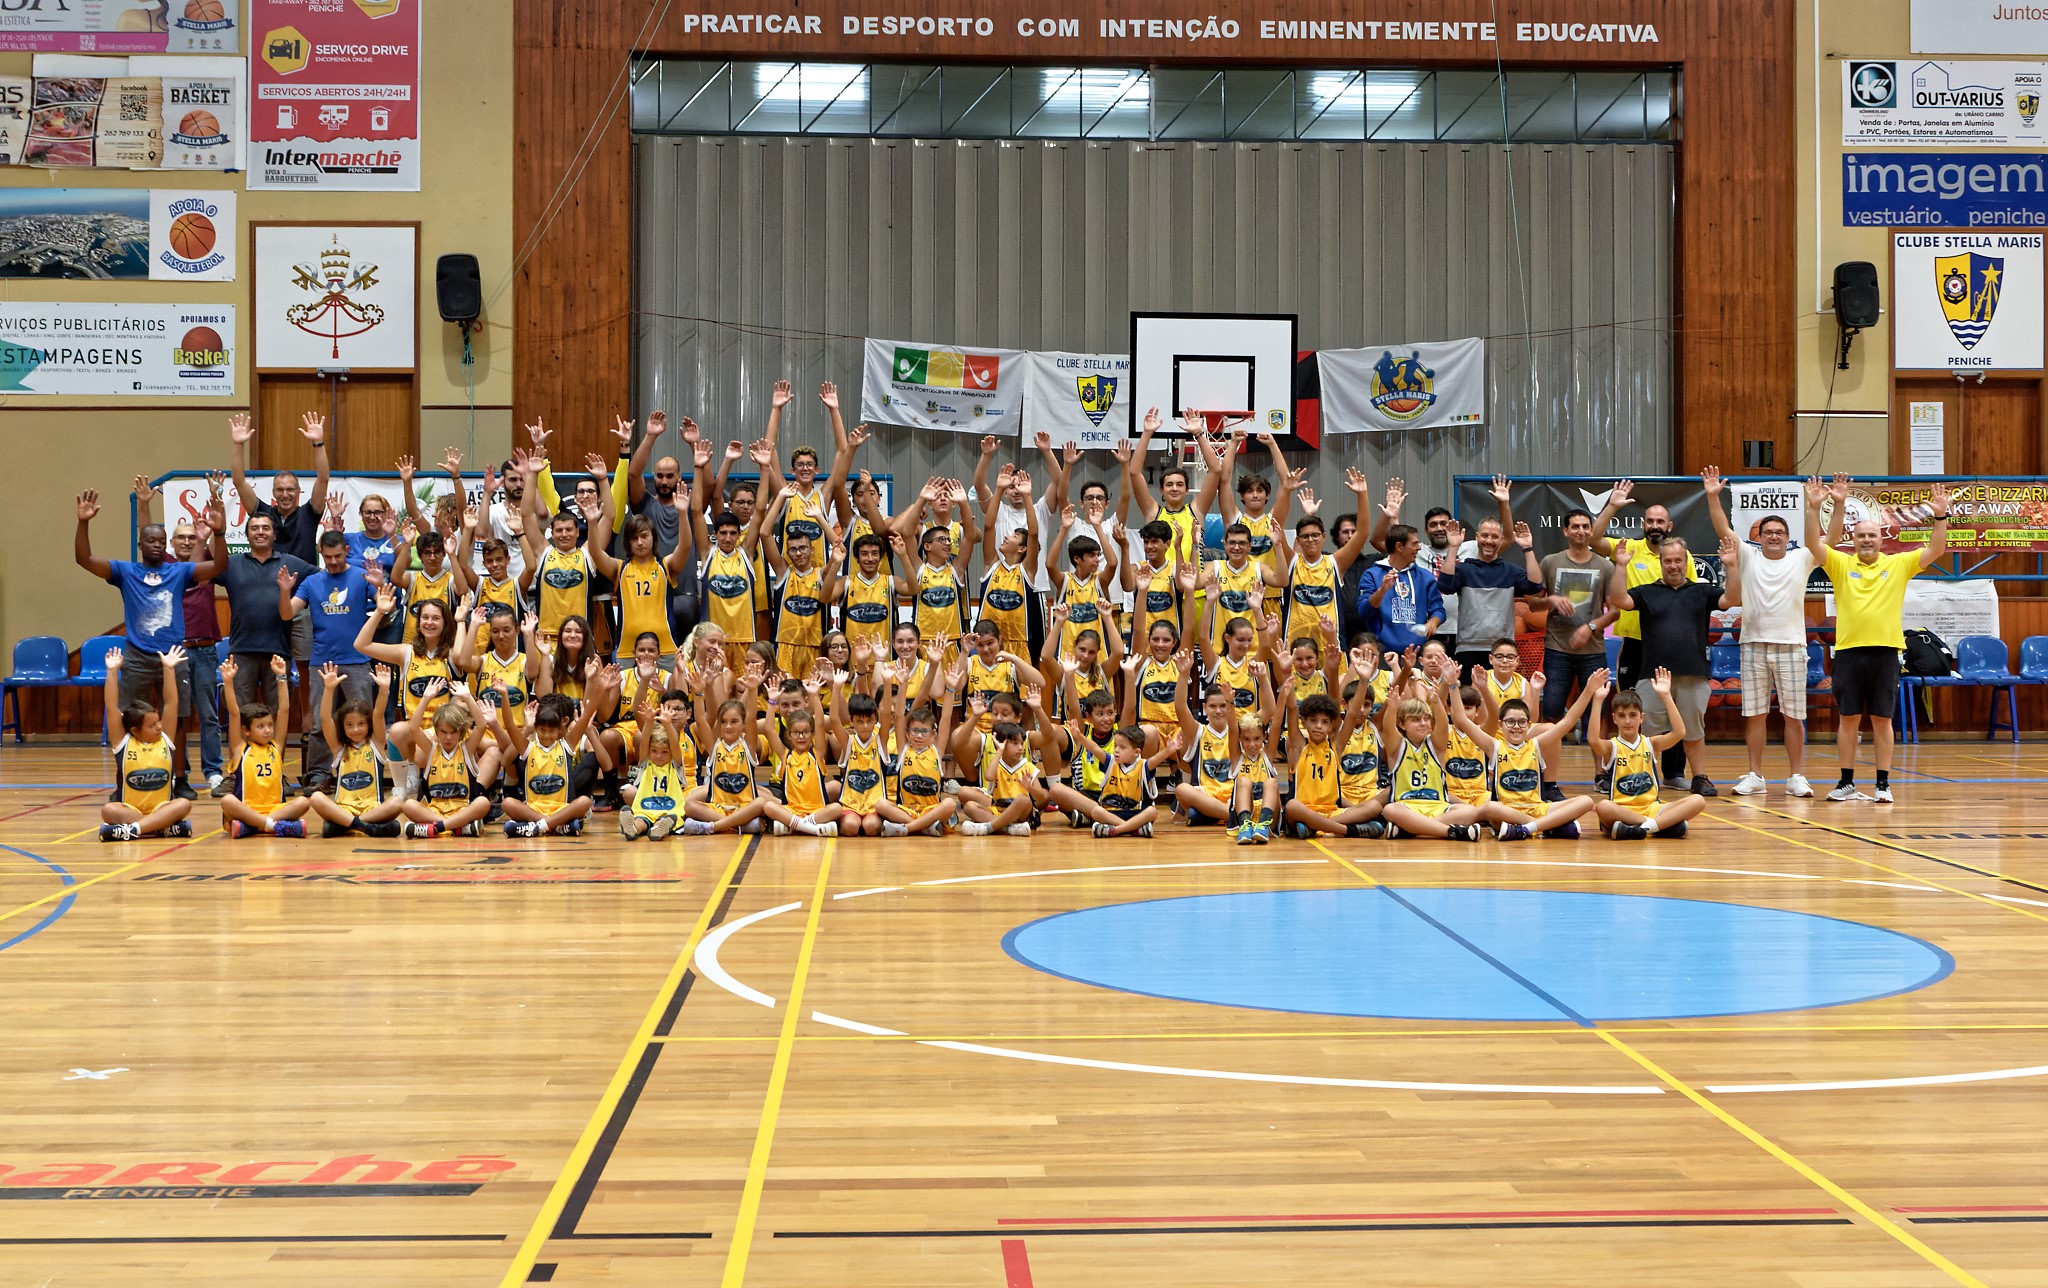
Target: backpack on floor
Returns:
[[1928, 654]]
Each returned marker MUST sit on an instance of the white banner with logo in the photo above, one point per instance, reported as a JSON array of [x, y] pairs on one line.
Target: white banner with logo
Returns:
[[192, 235], [1081, 398], [1951, 609], [932, 386], [1403, 386], [185, 498], [1926, 102], [1967, 301], [336, 296], [1980, 27], [117, 350]]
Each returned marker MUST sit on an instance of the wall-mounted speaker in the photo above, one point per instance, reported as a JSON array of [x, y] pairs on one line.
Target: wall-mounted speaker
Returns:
[[459, 289], [1856, 299]]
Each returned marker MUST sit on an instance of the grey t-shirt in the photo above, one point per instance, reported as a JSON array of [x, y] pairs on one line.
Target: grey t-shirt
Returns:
[[1585, 584], [667, 521]]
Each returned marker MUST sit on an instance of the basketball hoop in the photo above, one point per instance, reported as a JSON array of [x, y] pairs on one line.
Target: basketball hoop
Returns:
[[1218, 421]]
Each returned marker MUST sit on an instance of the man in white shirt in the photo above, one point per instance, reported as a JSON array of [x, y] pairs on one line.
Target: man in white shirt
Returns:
[[1773, 641]]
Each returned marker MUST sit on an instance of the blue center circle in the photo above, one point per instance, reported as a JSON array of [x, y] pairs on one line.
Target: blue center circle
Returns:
[[1477, 954]]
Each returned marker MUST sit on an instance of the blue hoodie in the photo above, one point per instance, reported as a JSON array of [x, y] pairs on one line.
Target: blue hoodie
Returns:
[[1414, 601]]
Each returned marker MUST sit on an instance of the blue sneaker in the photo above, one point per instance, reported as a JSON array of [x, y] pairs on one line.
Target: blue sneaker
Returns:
[[1569, 832], [289, 827], [1243, 832], [1302, 831], [1262, 832]]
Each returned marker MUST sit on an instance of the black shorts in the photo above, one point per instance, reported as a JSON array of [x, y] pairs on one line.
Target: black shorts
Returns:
[[1867, 682]]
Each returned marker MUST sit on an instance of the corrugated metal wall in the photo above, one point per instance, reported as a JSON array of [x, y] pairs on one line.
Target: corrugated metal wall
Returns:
[[767, 258]]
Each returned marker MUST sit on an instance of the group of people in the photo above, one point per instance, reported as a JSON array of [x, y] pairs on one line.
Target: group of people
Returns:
[[707, 653]]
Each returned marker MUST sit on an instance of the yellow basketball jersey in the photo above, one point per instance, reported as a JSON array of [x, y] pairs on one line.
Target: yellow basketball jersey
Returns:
[[1157, 683], [729, 595], [1316, 775], [562, 587], [1418, 774], [1359, 766], [1519, 773], [1083, 598], [1237, 676], [1635, 774], [504, 593], [1006, 782], [1161, 594], [919, 779], [1315, 684], [989, 679], [1214, 767], [643, 605], [860, 775], [420, 672], [451, 780], [939, 607], [802, 782], [422, 589], [1005, 600], [142, 776], [1264, 553], [1465, 770], [1311, 598], [804, 516], [1259, 769], [1241, 597], [1090, 764], [867, 608], [547, 774], [262, 777], [800, 618], [1125, 787], [860, 527], [660, 792], [358, 782], [1515, 690], [490, 668], [731, 775]]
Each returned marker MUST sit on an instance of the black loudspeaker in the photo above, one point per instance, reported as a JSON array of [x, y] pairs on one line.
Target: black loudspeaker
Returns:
[[458, 288], [1856, 299]]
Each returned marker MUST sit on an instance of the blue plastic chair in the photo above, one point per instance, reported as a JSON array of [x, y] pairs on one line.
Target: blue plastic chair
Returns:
[[2034, 659], [1982, 660], [40, 662], [92, 669], [1614, 658], [1724, 663], [1816, 664]]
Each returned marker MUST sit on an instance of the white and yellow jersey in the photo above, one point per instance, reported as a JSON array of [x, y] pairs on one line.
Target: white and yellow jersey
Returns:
[[1418, 774], [1215, 769], [142, 774]]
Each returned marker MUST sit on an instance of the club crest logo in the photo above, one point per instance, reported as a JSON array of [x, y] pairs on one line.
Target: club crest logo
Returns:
[[1403, 388], [1969, 285], [2030, 106], [1098, 394], [337, 309]]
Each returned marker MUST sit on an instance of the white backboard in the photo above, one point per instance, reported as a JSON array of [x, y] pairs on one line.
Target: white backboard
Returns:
[[1237, 362]]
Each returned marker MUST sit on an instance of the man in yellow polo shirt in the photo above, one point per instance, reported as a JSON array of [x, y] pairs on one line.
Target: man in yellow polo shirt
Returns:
[[1870, 600], [1640, 560]]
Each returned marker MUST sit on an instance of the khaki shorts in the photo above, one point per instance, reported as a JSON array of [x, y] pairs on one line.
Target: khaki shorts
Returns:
[[1688, 693]]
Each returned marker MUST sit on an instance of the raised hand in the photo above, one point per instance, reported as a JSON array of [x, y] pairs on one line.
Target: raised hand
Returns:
[[1661, 682], [1624, 491], [1192, 422], [240, 428], [1937, 494], [387, 598], [1306, 499], [88, 505], [857, 438], [451, 460], [1070, 455], [622, 429], [530, 623], [700, 454], [988, 445], [1500, 489], [173, 657], [1396, 494], [1710, 479], [1838, 488], [1153, 420], [1816, 491], [1294, 478], [1121, 450], [1456, 533], [1523, 537], [228, 667], [734, 451], [761, 454], [381, 674], [113, 659], [284, 577], [657, 424], [779, 397], [330, 675], [313, 426], [278, 666], [144, 492]]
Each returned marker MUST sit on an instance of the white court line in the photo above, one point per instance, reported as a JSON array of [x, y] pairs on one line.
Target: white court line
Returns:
[[1504, 1088], [2013, 898], [1894, 885], [706, 960], [1931, 1080], [872, 1030], [855, 894], [1132, 867]]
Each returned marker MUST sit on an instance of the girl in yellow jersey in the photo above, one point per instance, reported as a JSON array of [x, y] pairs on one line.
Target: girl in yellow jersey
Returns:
[[1212, 753], [919, 780], [1633, 809], [657, 801], [142, 804], [458, 768], [504, 675], [1238, 666], [358, 802], [1320, 735], [573, 666], [1151, 679], [1468, 770], [800, 773], [421, 663], [645, 678], [255, 803], [867, 601], [1255, 788], [643, 582], [549, 751], [726, 800], [1520, 752], [1089, 666], [992, 669]]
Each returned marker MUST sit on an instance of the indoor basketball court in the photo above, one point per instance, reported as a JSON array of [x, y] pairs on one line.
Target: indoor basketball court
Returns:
[[1799, 1045]]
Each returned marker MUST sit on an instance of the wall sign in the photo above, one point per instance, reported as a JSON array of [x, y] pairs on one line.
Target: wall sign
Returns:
[[120, 26], [1932, 103], [1979, 27], [1945, 189], [1967, 301], [336, 296], [117, 350], [335, 95]]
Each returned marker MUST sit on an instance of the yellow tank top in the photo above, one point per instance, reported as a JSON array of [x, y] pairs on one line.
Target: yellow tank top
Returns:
[[1519, 773], [860, 775], [1083, 598], [504, 593], [1005, 600], [143, 773], [729, 595], [860, 527], [547, 774], [1090, 764], [451, 780], [1005, 782], [1316, 776], [989, 679], [867, 608], [804, 516], [1418, 775], [1315, 684], [358, 784], [490, 668], [1238, 677], [660, 791], [801, 617], [262, 775], [1259, 769], [732, 775], [1213, 765], [760, 577], [1162, 597], [1311, 598], [420, 672], [421, 589], [1157, 683], [1515, 690], [1085, 683], [1635, 774], [919, 780], [643, 605], [1359, 779], [1240, 598], [1264, 552], [1125, 787], [939, 608], [1186, 538], [630, 688], [562, 586], [1465, 770], [803, 782]]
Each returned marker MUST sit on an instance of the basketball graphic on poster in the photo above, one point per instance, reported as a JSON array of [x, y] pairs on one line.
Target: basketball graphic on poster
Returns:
[[199, 124], [192, 235], [204, 11]]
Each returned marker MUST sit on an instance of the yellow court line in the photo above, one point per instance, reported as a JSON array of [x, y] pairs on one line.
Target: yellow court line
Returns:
[[65, 892], [65, 840], [1562, 1026], [778, 1077], [1765, 1143], [1851, 836], [1722, 816], [1343, 862], [579, 1156]]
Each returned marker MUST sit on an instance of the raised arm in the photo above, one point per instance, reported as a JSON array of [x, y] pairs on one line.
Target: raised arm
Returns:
[[313, 428], [1134, 469], [366, 638], [1712, 484], [1389, 513], [240, 430], [1361, 489], [1731, 567], [1937, 545], [113, 690], [81, 544], [1618, 498], [778, 398]]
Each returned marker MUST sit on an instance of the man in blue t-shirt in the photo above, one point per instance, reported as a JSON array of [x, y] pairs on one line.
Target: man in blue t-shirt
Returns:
[[339, 598], [152, 605]]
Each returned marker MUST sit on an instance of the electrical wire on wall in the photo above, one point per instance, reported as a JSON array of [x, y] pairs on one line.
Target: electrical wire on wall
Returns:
[[1500, 78]]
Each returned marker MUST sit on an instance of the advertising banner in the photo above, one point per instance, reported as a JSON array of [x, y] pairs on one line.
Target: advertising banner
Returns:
[[1936, 103], [1980, 27], [17, 93], [335, 95], [1079, 398], [115, 120], [117, 350], [203, 120], [121, 27], [1403, 386], [1944, 190], [1967, 301], [933, 386], [117, 234], [336, 296], [192, 235]]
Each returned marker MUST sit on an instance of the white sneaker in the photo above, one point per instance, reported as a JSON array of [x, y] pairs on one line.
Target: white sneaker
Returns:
[[212, 781], [781, 829], [1018, 829], [1847, 792], [1796, 785], [972, 828], [1751, 784], [696, 827], [1884, 796], [894, 829], [828, 829]]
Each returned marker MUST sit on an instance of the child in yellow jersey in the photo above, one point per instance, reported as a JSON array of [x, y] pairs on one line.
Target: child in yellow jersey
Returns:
[[503, 675], [1082, 591], [1235, 586], [1111, 788], [358, 802], [867, 600], [802, 587], [143, 804], [1212, 753], [255, 803], [1417, 733], [1012, 785], [1255, 787], [934, 586], [643, 581], [1237, 667], [1521, 751], [550, 748], [1501, 682], [1076, 750], [1313, 666], [1320, 732], [417, 664], [973, 750], [1468, 769], [1633, 809], [496, 591], [729, 587], [437, 580], [457, 767], [558, 573], [1007, 600], [646, 677], [993, 669], [864, 808], [656, 802], [801, 776], [920, 772], [1151, 678], [726, 800]]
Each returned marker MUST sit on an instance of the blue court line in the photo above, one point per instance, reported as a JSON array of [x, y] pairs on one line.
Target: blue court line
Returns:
[[1534, 988], [49, 919]]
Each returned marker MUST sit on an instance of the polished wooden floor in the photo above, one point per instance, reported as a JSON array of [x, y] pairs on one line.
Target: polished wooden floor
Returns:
[[481, 1061]]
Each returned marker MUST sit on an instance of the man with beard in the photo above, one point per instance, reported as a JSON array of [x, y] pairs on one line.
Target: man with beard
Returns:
[[339, 597], [1484, 585], [1433, 555], [1574, 641], [295, 520], [1638, 559], [631, 495], [1675, 612]]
